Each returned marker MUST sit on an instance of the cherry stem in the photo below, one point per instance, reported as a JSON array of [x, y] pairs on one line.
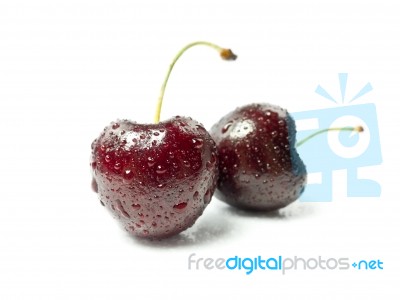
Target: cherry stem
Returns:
[[225, 54], [356, 129]]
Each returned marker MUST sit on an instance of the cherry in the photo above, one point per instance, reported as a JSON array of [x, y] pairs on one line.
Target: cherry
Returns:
[[156, 179], [259, 166]]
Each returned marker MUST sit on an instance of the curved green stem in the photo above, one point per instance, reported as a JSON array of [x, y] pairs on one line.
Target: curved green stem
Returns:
[[357, 129], [226, 54]]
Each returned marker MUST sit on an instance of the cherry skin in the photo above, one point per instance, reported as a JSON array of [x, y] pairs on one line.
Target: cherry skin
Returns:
[[259, 166], [156, 179]]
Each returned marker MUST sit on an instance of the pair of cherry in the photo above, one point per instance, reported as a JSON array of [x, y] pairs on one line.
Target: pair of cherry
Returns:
[[157, 179]]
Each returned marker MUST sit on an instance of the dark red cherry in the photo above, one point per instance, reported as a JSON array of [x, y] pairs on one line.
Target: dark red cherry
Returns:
[[155, 178], [259, 166]]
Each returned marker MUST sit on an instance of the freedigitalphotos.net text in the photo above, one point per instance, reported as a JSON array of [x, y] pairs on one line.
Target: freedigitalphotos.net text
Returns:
[[280, 264]]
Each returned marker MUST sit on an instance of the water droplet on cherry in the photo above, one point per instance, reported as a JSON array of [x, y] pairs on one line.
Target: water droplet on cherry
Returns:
[[128, 174], [136, 206], [180, 206], [198, 143], [161, 169], [207, 197], [121, 209], [226, 127], [150, 161]]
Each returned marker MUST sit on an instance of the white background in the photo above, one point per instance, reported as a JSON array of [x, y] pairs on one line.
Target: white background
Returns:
[[68, 68]]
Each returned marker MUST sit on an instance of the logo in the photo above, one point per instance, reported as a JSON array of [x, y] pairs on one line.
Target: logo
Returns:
[[340, 150]]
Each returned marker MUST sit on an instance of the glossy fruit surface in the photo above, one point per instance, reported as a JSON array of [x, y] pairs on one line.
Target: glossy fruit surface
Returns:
[[259, 166], [156, 179]]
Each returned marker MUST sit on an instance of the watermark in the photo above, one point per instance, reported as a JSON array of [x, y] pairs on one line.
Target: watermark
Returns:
[[340, 150], [280, 264]]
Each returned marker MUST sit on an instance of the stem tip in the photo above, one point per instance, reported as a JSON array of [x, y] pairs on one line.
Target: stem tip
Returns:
[[227, 54], [359, 129]]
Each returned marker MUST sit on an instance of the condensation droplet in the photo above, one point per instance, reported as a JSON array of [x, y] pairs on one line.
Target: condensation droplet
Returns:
[[226, 127], [198, 143], [160, 169], [128, 174], [136, 206], [107, 158], [213, 158], [115, 126], [211, 163], [150, 161], [122, 210], [180, 206], [207, 197], [201, 129]]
